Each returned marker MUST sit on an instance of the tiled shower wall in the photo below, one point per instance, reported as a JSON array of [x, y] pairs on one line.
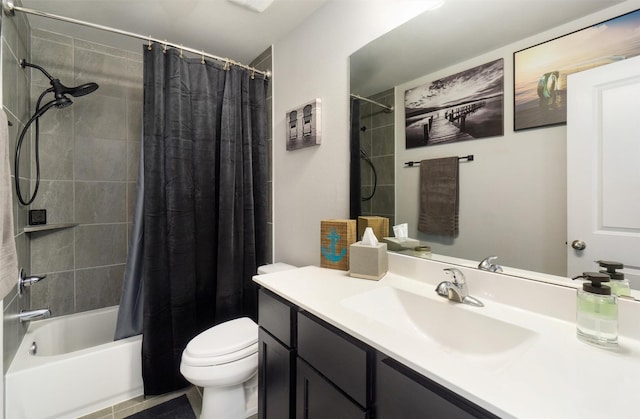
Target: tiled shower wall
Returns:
[[88, 160], [264, 63], [377, 140], [15, 102]]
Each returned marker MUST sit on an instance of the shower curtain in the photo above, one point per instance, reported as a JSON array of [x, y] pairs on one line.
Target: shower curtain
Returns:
[[205, 204]]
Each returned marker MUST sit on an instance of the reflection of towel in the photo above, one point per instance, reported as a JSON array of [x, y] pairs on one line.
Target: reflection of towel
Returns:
[[439, 197], [8, 256]]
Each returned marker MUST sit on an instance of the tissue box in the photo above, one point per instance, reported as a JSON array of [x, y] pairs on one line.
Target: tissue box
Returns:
[[379, 225], [395, 244], [368, 262], [335, 238]]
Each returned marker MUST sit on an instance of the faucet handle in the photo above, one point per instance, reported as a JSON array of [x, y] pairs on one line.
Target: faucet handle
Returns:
[[488, 265], [456, 275], [27, 281]]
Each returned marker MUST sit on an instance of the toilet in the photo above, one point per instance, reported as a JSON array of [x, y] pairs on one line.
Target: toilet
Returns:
[[223, 360]]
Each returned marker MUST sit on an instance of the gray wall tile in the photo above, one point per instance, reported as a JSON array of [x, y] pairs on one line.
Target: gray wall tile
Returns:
[[56, 196], [56, 291], [56, 157], [100, 202], [102, 160], [55, 58], [101, 117], [98, 287], [133, 160], [100, 245], [52, 251], [98, 67]]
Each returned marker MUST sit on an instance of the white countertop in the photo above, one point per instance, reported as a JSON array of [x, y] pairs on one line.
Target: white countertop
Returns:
[[551, 375]]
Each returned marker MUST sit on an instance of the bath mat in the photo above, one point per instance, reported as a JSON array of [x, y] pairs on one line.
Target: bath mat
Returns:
[[178, 408]]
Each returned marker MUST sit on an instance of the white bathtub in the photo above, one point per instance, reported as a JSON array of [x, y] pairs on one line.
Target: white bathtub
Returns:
[[77, 368]]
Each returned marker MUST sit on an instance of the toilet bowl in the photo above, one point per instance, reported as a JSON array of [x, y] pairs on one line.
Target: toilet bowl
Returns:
[[223, 360]]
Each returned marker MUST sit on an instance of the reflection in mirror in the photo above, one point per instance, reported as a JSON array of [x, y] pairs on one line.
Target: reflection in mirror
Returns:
[[513, 196]]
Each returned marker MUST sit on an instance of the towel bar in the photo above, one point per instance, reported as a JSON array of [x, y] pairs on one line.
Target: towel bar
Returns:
[[417, 163]]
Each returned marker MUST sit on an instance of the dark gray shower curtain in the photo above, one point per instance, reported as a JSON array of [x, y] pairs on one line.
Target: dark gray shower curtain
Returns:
[[205, 204]]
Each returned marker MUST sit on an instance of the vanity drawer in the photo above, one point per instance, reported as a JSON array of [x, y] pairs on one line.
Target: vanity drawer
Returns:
[[277, 317], [336, 356]]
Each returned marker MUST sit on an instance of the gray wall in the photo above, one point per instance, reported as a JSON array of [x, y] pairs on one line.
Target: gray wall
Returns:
[[89, 156], [15, 82], [264, 62], [378, 142]]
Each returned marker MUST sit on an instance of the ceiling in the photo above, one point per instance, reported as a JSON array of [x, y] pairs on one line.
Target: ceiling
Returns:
[[218, 27], [455, 32]]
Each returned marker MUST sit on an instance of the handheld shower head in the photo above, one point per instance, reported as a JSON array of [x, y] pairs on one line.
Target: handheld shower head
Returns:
[[60, 100]]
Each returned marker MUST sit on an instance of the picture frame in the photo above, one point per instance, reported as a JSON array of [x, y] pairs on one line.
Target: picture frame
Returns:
[[464, 106], [540, 71], [304, 125]]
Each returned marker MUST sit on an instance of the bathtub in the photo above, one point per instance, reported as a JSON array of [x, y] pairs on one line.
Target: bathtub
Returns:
[[77, 367]]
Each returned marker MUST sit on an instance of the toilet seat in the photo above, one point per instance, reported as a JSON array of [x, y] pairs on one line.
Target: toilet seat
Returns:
[[227, 342]]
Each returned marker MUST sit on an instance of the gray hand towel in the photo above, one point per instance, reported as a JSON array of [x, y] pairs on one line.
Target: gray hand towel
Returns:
[[439, 197], [8, 255]]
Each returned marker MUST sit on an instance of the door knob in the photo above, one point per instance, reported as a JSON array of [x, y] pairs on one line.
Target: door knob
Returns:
[[578, 245]]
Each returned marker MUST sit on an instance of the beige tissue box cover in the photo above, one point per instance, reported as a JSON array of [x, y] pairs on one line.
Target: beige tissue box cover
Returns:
[[395, 244], [368, 262]]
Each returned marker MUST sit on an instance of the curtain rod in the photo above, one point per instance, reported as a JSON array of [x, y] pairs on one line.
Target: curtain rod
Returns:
[[386, 108], [10, 9]]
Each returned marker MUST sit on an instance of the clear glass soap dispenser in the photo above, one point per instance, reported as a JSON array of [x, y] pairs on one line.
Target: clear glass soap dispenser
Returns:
[[619, 285], [597, 311]]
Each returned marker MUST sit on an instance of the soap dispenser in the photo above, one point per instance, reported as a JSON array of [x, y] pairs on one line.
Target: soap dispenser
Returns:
[[619, 285], [597, 311]]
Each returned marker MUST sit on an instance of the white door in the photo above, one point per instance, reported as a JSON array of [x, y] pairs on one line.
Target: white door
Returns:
[[603, 168]]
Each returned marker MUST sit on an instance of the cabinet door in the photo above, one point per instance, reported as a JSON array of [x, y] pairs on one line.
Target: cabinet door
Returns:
[[317, 398], [276, 395], [403, 393]]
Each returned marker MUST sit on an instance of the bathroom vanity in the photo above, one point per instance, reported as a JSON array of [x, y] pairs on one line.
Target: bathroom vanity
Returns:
[[336, 346]]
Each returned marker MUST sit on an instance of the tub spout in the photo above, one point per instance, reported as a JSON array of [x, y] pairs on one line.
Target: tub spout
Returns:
[[28, 315]]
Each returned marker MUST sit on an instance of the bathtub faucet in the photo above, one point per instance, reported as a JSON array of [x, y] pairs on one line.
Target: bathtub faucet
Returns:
[[28, 315]]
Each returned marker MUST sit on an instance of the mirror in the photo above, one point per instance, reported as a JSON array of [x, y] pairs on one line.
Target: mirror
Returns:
[[513, 195]]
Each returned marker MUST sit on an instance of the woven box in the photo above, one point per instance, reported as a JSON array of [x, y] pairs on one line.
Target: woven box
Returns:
[[335, 238], [379, 225]]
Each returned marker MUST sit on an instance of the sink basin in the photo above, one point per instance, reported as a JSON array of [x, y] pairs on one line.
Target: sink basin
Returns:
[[458, 328]]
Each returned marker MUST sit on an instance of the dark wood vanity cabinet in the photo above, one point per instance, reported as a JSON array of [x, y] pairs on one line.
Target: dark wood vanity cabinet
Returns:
[[277, 354], [309, 369], [401, 392], [333, 372]]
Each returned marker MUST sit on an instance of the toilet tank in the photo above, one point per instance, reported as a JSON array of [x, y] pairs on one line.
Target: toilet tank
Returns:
[[274, 267]]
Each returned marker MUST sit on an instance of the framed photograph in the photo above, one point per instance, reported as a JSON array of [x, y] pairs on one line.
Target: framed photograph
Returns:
[[303, 126], [540, 72], [464, 106]]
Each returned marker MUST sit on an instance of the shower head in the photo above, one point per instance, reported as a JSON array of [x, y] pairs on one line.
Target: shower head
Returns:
[[59, 89]]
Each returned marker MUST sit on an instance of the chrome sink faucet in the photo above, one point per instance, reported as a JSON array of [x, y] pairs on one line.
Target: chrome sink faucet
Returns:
[[488, 265], [456, 290]]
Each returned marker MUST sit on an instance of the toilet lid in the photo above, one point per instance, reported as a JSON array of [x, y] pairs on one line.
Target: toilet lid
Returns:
[[226, 338]]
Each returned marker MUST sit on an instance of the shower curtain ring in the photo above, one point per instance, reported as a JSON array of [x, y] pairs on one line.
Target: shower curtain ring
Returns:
[[253, 74], [202, 60], [180, 50], [164, 49], [149, 46], [227, 65]]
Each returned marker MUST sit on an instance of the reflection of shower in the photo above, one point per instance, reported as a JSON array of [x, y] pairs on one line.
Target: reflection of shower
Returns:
[[364, 156], [60, 100]]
